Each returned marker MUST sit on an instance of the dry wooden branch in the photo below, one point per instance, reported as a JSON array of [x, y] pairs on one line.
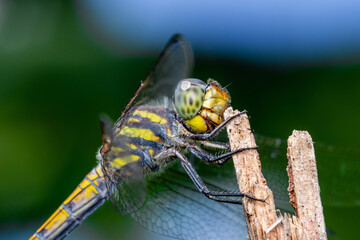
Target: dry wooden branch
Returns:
[[260, 216], [263, 221], [304, 188]]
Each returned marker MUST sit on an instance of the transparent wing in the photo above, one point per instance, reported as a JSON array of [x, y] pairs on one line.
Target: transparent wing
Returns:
[[127, 188], [273, 161], [174, 64], [174, 207], [125, 181], [122, 171], [337, 166]]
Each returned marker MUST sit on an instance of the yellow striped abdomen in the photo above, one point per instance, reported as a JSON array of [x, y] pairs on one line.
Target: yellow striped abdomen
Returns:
[[87, 197]]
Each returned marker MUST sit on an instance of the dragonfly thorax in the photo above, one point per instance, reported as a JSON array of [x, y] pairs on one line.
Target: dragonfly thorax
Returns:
[[146, 131]]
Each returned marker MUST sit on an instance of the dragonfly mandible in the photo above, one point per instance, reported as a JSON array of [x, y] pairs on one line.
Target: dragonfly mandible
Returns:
[[169, 116]]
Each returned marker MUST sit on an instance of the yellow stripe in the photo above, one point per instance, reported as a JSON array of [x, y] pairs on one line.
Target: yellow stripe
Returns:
[[150, 115], [117, 149], [75, 193], [119, 162], [133, 120], [98, 171], [80, 201], [146, 134], [132, 146], [33, 237], [151, 152], [59, 216], [54, 224], [81, 196], [169, 132]]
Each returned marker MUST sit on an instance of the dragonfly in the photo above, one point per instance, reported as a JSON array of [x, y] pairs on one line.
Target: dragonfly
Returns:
[[152, 132], [149, 162]]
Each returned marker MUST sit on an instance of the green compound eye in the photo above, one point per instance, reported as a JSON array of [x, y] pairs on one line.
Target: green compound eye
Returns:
[[189, 96]]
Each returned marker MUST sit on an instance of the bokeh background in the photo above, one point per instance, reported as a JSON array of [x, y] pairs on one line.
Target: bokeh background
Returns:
[[292, 65]]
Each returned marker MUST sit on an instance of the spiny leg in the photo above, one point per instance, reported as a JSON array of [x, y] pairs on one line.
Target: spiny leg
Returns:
[[214, 195], [207, 157], [207, 136], [215, 145]]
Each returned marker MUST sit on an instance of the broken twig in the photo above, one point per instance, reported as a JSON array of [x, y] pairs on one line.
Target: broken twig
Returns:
[[262, 219]]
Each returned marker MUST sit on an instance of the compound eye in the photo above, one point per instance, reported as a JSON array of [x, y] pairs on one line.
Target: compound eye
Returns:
[[189, 97]]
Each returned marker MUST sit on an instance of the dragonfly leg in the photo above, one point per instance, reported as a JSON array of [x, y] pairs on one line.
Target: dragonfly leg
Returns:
[[215, 145], [207, 136], [214, 195], [207, 157]]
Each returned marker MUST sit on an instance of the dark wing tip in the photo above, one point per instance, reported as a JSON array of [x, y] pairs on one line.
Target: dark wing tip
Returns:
[[177, 37]]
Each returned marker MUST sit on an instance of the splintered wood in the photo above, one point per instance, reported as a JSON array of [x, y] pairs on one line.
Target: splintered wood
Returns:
[[263, 221], [260, 215], [304, 188]]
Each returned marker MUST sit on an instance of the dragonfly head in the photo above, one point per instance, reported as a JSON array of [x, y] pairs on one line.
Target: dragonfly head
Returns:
[[201, 105]]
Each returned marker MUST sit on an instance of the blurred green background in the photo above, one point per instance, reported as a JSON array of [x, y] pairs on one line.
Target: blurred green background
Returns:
[[56, 79]]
